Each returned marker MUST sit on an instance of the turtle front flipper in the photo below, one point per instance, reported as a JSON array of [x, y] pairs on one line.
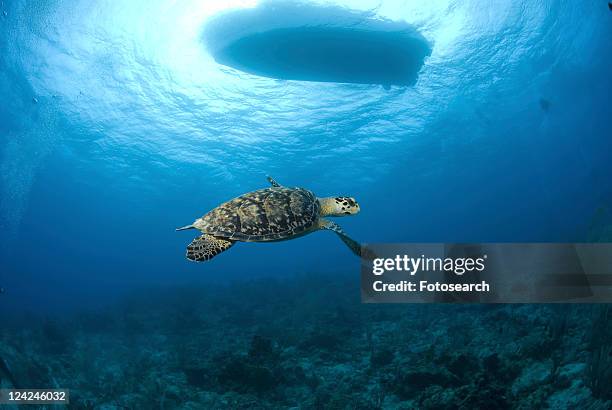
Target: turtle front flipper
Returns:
[[206, 247], [272, 181], [332, 226], [354, 246]]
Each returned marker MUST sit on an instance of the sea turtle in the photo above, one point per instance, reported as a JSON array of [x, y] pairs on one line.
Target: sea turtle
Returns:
[[271, 214]]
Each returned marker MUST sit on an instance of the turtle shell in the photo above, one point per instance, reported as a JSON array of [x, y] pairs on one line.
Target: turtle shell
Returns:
[[268, 214]]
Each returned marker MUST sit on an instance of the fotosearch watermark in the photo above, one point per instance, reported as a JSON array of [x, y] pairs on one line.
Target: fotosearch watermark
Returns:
[[487, 273]]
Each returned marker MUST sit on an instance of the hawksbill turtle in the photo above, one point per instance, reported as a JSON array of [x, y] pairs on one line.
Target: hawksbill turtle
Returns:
[[276, 213]]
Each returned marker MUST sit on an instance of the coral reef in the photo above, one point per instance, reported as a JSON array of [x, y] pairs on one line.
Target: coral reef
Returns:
[[309, 343]]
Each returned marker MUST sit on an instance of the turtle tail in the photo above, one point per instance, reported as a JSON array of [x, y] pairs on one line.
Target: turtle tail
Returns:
[[184, 228]]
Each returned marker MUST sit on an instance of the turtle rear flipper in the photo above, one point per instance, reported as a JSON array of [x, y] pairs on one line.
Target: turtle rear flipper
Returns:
[[206, 247], [183, 228]]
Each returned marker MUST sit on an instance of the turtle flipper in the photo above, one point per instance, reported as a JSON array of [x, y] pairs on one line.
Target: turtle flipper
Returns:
[[355, 246], [206, 247], [332, 226], [272, 181]]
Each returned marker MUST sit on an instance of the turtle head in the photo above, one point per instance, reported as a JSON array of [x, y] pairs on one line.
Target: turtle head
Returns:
[[339, 206]]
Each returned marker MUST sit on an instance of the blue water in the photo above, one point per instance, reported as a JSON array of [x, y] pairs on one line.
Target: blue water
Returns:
[[117, 125]]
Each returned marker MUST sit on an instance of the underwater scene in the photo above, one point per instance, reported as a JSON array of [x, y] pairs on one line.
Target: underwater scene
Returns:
[[186, 186]]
